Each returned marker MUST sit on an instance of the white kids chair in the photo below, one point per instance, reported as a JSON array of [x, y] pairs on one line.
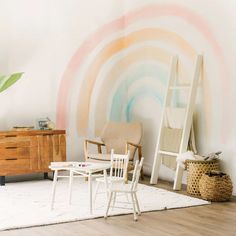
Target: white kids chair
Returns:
[[118, 172], [130, 188]]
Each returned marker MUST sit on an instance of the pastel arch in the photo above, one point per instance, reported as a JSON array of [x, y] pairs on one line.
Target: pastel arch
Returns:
[[107, 52], [150, 11]]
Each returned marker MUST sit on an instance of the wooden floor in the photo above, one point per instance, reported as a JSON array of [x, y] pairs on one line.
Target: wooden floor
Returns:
[[215, 219]]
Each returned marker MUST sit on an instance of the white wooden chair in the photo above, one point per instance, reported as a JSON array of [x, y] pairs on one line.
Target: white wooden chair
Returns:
[[130, 188], [118, 171]]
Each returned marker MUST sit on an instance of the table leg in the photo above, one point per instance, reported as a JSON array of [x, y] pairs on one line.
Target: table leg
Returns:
[[90, 193], [54, 188], [70, 186], [106, 183]]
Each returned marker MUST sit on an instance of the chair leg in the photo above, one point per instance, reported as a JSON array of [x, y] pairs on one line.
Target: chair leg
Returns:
[[114, 201], [137, 204], [96, 192], [70, 186], [108, 205], [127, 197], [134, 208], [126, 177], [106, 183], [142, 174], [54, 188]]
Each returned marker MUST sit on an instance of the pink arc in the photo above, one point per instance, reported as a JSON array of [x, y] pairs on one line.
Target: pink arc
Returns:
[[150, 11]]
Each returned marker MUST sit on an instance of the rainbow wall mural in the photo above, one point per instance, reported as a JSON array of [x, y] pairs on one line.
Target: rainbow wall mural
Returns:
[[127, 60]]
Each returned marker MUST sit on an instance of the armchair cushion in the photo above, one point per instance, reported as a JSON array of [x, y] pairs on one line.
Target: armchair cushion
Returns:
[[116, 135]]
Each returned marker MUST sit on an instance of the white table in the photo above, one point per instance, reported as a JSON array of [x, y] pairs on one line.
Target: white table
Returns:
[[84, 169]]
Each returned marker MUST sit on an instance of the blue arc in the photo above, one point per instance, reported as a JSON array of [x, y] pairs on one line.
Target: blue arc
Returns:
[[144, 92], [151, 70]]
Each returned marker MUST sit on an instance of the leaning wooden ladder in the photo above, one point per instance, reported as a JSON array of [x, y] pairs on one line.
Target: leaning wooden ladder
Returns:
[[187, 123]]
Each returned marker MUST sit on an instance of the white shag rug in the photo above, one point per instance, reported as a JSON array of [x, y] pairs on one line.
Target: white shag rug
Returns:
[[26, 204]]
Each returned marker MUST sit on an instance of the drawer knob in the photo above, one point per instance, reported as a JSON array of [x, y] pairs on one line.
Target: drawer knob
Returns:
[[10, 159]]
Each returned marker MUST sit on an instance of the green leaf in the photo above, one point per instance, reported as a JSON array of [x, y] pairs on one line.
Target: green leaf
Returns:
[[1, 78], [7, 81]]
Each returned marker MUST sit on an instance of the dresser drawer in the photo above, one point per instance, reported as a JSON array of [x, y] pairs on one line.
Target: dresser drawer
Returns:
[[13, 165], [14, 141], [12, 152]]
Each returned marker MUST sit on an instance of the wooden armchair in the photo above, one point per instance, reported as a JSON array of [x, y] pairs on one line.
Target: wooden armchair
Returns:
[[118, 136]]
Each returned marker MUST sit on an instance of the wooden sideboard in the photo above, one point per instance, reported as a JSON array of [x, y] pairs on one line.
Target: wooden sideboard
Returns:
[[31, 151]]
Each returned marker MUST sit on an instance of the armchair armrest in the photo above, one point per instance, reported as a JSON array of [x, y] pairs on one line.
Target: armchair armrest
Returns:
[[98, 144], [94, 142], [134, 144], [139, 147]]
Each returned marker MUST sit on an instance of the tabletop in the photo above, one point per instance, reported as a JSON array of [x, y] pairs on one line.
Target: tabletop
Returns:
[[79, 166]]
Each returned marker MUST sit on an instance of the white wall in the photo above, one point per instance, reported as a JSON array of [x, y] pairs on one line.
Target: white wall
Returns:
[[41, 38]]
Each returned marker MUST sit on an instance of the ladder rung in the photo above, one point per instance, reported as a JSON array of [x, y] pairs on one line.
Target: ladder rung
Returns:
[[168, 153], [179, 87]]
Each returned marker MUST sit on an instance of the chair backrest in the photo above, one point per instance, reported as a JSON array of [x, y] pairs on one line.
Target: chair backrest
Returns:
[[119, 165], [136, 174], [115, 135]]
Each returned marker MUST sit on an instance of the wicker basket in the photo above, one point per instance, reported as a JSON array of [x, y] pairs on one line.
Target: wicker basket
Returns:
[[195, 170], [215, 187]]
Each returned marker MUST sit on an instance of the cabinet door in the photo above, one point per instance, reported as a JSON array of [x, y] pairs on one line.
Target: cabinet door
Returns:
[[34, 153], [45, 147], [51, 148], [59, 147]]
